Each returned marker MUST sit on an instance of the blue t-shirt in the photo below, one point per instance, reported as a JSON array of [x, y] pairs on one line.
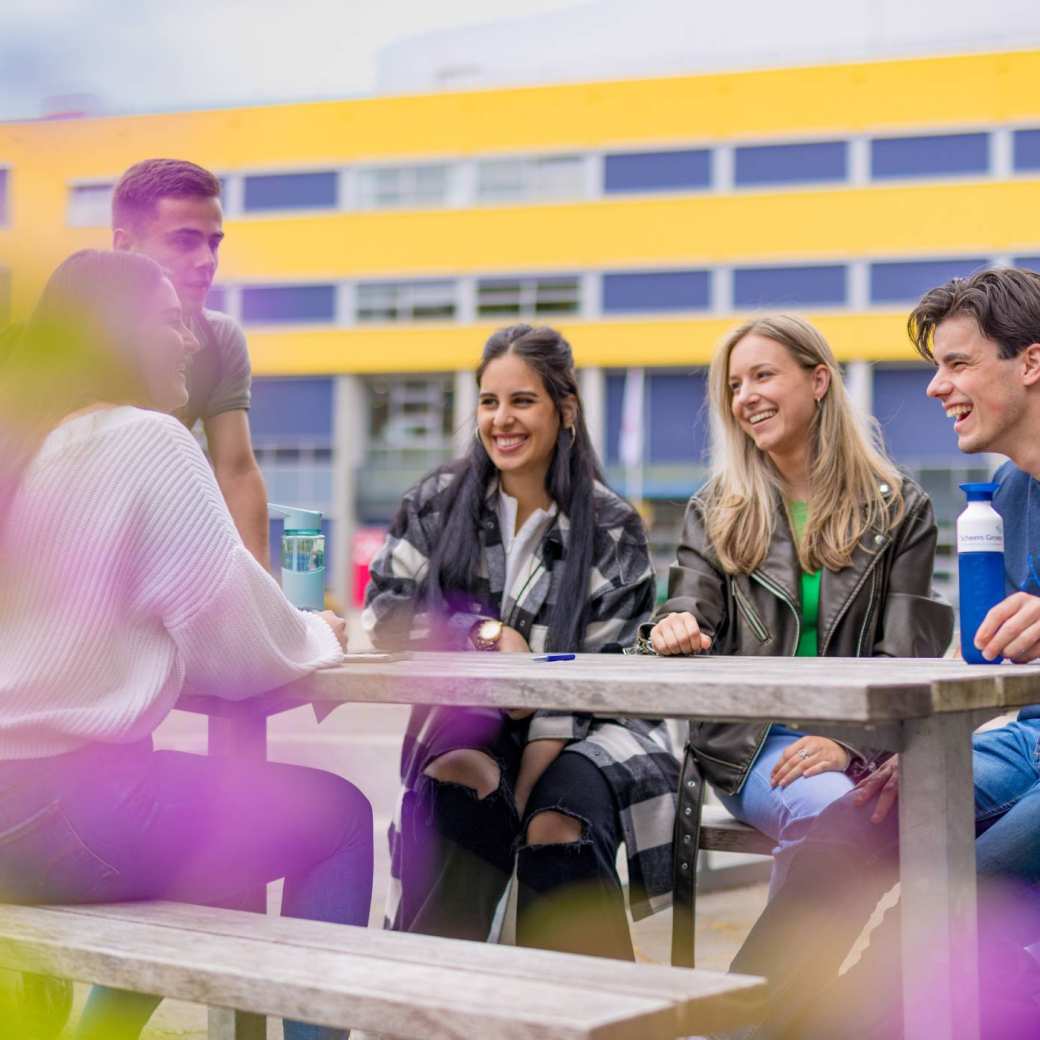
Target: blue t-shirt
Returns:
[[1018, 503]]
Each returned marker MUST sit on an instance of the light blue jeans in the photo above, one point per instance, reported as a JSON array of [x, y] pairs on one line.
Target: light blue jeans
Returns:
[[785, 814], [1006, 764]]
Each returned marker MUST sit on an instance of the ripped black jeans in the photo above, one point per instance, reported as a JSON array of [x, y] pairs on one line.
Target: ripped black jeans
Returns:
[[458, 851]]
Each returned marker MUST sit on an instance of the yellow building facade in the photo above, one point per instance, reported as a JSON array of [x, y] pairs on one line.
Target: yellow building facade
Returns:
[[373, 243]]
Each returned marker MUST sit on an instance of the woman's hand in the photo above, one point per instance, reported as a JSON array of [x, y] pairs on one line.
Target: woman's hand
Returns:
[[678, 634], [808, 756], [882, 783], [337, 624]]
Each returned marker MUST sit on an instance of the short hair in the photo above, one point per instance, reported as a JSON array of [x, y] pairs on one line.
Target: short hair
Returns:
[[1003, 301], [137, 194]]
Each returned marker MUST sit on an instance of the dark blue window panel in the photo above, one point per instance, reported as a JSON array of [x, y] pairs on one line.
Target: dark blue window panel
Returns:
[[216, 298], [939, 155], [287, 411], [904, 281], [656, 291], [914, 425], [288, 303], [817, 286], [657, 171], [292, 191], [792, 163], [677, 417], [615, 397], [1027, 149]]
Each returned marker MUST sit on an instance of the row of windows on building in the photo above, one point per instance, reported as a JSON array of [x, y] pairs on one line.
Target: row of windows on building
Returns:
[[414, 412], [434, 184], [410, 426], [874, 283]]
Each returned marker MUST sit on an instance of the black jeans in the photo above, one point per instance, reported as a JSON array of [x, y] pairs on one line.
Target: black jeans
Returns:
[[115, 823], [458, 852]]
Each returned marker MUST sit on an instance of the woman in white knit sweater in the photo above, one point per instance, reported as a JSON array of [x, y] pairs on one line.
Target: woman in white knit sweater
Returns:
[[124, 584]]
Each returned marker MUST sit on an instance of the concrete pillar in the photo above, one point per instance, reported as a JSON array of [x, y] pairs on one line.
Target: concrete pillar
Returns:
[[859, 161], [349, 439], [464, 410], [859, 380], [592, 385]]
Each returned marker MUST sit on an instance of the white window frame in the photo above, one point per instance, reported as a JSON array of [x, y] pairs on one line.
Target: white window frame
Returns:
[[365, 197], [531, 183], [91, 218], [528, 294], [5, 196], [406, 297]]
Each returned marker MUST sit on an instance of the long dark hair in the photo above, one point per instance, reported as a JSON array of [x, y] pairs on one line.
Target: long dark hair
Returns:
[[573, 472], [77, 348]]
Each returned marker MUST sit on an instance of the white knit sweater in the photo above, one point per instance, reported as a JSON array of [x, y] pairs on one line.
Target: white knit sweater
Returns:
[[123, 582]]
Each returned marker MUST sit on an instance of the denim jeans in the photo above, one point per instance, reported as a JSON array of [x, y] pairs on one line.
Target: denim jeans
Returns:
[[785, 814], [1006, 762], [111, 823]]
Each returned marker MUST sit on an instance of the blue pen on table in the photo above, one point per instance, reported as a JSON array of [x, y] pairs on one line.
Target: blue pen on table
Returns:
[[555, 657]]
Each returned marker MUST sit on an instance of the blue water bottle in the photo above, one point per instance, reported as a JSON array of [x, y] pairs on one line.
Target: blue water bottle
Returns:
[[303, 556], [980, 564]]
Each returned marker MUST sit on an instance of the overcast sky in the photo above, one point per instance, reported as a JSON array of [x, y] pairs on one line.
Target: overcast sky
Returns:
[[111, 56], [154, 55]]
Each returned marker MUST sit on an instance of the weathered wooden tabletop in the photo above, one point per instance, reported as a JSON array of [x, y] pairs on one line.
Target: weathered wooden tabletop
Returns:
[[854, 690]]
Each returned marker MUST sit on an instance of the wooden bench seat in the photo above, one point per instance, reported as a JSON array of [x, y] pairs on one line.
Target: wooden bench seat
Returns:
[[720, 832], [385, 982]]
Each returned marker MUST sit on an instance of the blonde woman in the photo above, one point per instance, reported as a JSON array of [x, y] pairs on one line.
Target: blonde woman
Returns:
[[806, 541]]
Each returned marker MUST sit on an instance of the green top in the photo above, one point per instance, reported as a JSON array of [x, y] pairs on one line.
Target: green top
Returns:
[[808, 643]]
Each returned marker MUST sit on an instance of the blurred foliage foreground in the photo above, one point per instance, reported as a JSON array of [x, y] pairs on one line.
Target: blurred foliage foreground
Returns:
[[33, 1007]]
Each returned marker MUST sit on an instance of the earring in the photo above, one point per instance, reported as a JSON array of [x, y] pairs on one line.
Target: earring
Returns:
[[476, 434], [574, 434]]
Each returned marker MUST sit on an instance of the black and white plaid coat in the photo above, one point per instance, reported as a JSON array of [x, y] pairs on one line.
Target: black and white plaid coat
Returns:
[[638, 757]]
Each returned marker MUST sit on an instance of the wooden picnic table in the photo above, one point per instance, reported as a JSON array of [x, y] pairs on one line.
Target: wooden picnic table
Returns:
[[925, 709]]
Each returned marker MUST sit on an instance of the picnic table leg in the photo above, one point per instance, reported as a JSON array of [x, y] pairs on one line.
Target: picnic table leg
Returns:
[[244, 737], [228, 1024], [937, 874]]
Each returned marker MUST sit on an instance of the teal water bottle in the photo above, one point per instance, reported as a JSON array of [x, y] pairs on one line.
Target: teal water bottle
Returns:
[[303, 556]]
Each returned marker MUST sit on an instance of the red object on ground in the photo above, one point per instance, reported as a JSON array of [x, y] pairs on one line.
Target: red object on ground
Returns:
[[367, 542]]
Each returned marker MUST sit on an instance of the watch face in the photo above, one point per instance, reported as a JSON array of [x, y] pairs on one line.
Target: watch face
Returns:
[[490, 630]]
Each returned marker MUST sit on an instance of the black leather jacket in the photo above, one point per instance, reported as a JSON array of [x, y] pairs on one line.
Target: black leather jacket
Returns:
[[882, 605]]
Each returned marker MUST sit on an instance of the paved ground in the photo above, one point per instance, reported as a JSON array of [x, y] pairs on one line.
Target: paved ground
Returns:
[[362, 743]]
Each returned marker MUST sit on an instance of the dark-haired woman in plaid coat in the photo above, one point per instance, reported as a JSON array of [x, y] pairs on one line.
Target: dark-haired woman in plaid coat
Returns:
[[520, 547]]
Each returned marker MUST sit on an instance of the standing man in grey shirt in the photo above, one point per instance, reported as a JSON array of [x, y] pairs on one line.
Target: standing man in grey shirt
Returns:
[[169, 209]]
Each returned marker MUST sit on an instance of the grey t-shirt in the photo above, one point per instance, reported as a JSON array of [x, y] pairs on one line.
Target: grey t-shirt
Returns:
[[219, 378]]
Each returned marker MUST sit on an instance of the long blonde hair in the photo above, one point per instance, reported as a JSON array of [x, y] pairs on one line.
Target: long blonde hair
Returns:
[[846, 465]]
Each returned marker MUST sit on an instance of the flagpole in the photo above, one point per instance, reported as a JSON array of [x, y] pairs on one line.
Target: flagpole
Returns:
[[631, 446]]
